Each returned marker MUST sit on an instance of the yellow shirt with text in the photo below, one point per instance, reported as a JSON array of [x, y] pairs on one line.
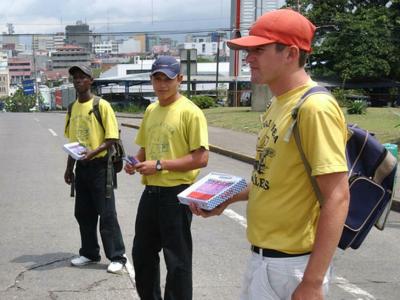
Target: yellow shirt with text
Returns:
[[283, 210], [170, 132], [84, 128]]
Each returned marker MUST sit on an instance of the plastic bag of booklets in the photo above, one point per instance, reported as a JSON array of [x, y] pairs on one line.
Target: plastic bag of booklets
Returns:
[[212, 190]]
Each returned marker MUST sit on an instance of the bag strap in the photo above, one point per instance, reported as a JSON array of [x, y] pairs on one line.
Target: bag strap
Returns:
[[69, 110], [96, 111], [294, 128]]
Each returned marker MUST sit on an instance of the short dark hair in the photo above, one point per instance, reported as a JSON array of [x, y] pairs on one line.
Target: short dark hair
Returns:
[[303, 55]]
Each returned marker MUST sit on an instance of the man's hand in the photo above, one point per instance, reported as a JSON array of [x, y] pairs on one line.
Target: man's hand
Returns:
[[308, 291], [89, 154], [130, 169], [208, 213], [147, 167], [68, 176]]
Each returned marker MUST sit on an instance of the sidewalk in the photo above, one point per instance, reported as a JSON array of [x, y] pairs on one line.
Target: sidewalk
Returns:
[[238, 145]]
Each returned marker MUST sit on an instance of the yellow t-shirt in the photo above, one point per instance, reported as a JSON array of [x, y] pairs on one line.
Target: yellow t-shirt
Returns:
[[170, 132], [283, 210], [84, 128]]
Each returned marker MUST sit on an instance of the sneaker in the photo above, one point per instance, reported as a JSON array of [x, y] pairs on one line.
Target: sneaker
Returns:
[[116, 267], [82, 261]]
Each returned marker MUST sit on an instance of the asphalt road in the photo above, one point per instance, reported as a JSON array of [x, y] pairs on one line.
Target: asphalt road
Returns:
[[39, 234]]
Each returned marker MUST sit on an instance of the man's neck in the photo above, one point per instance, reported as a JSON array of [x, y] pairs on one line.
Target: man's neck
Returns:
[[84, 97], [289, 82], [170, 100]]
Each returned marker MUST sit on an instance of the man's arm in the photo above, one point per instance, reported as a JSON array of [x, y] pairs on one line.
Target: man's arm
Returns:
[[335, 192], [68, 174], [104, 146], [194, 160]]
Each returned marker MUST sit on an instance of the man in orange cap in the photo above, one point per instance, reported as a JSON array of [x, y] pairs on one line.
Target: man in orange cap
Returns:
[[292, 238]]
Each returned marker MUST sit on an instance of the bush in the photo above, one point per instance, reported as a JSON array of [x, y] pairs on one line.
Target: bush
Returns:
[[340, 96], [357, 107], [20, 102], [203, 101], [127, 108]]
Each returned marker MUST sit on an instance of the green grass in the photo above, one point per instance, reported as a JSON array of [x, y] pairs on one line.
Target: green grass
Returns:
[[381, 121]]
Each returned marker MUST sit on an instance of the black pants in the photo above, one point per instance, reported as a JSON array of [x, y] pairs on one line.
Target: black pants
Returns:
[[163, 223], [90, 204]]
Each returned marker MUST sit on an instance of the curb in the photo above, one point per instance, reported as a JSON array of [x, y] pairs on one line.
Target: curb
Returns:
[[250, 160]]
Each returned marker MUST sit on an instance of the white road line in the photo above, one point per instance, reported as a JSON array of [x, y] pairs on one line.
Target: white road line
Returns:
[[353, 289], [236, 217], [52, 132], [341, 282], [36, 119], [131, 272]]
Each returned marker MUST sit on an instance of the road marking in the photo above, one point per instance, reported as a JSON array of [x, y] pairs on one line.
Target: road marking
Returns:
[[236, 217], [52, 132], [36, 119], [353, 289], [341, 282], [131, 272]]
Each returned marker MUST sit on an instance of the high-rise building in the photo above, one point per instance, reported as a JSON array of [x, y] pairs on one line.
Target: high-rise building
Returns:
[[68, 56], [252, 9], [4, 75], [59, 40], [79, 35]]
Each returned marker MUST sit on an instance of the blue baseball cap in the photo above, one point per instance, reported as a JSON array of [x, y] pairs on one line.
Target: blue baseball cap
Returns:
[[167, 65]]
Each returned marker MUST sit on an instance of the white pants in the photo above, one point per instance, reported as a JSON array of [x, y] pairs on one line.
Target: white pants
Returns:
[[275, 278]]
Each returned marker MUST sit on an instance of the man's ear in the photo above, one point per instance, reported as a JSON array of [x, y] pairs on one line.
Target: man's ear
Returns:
[[293, 54], [180, 78]]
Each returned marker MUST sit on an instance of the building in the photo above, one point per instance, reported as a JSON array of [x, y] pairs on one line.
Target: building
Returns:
[[20, 69], [43, 43], [59, 40], [4, 75], [207, 45], [106, 47], [78, 35], [68, 56]]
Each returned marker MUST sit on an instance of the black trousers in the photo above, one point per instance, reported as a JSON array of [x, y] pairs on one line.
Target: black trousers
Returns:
[[163, 223], [90, 204]]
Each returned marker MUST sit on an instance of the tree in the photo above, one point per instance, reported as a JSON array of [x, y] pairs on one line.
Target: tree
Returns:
[[355, 39], [20, 102]]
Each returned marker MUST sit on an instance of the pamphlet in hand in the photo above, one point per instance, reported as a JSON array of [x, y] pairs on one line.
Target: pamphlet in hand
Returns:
[[75, 150], [212, 190], [130, 160]]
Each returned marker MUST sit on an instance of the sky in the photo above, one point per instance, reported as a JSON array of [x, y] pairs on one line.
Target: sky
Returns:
[[50, 16]]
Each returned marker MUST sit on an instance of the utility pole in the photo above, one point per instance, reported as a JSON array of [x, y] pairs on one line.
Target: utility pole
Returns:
[[35, 72], [217, 73], [188, 72]]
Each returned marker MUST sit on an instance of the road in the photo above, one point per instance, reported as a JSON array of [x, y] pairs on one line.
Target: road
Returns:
[[39, 234]]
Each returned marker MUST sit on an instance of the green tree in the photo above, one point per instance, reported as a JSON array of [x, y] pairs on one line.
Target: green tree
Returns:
[[20, 102], [355, 39]]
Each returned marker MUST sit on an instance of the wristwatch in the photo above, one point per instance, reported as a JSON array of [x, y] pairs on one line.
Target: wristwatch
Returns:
[[158, 165]]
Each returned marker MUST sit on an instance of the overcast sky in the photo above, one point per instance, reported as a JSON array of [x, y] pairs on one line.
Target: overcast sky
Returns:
[[50, 16], [42, 16]]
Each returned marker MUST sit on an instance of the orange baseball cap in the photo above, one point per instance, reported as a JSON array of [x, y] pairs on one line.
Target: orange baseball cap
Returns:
[[283, 26]]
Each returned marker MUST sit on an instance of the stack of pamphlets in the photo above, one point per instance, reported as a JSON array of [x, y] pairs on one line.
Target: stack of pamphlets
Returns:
[[212, 190], [75, 150]]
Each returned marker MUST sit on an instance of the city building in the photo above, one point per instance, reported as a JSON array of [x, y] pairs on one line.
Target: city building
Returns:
[[59, 40], [207, 44], [105, 47], [4, 75], [20, 69], [44, 43], [68, 56], [78, 35]]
